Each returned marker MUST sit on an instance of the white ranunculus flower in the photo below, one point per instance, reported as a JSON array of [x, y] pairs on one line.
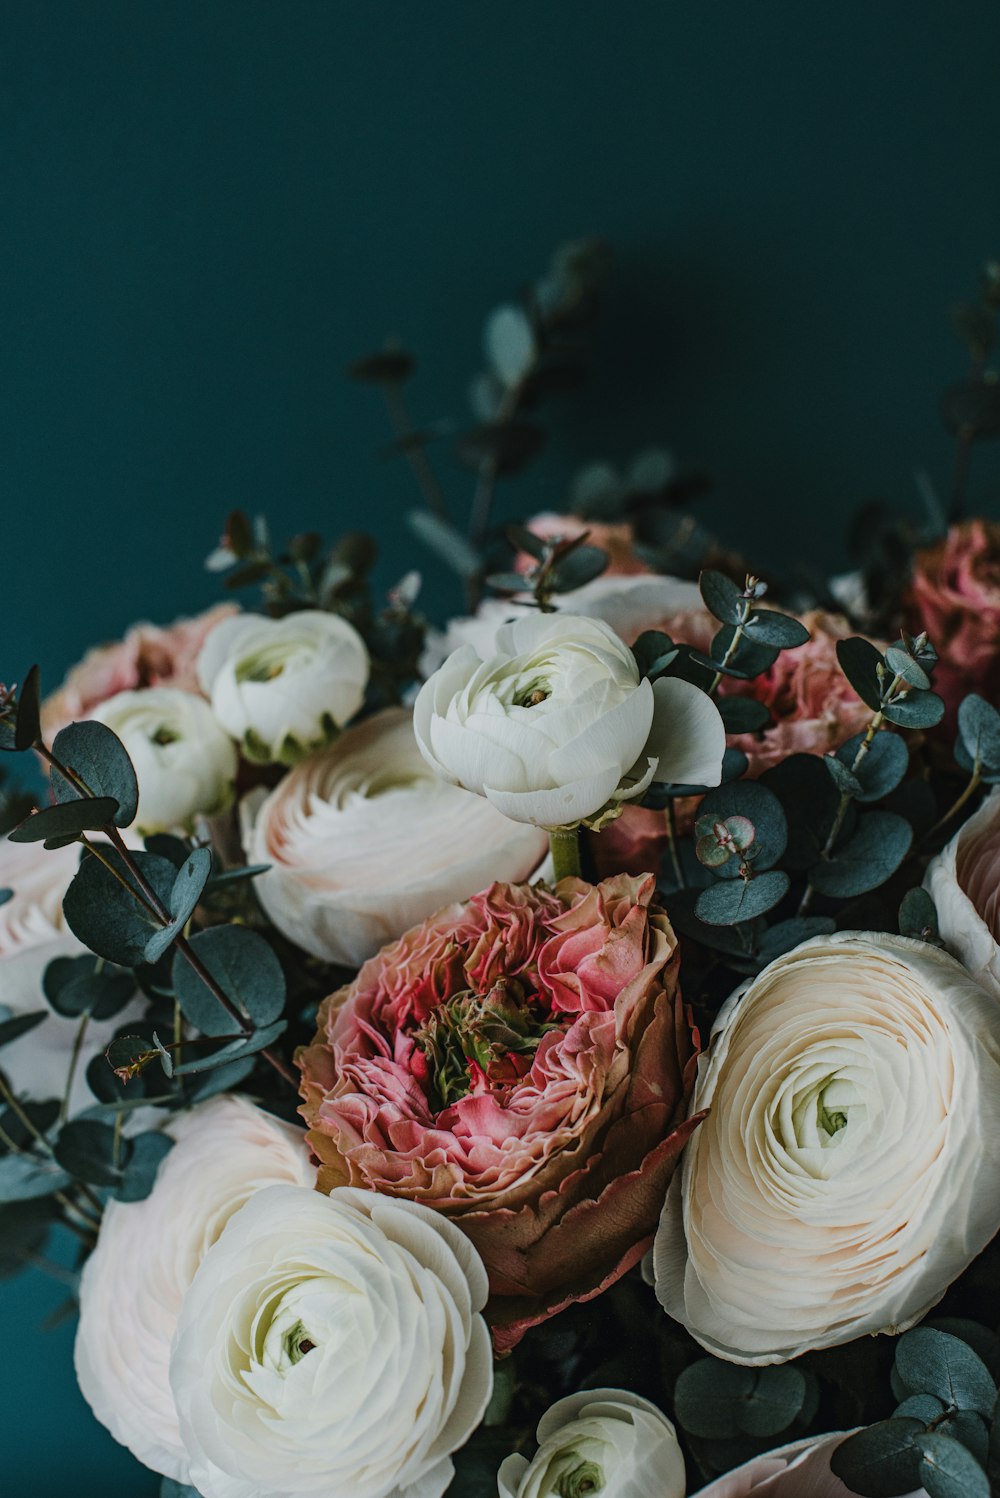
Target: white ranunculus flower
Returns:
[[184, 761], [600, 1441], [332, 1346], [964, 883], [364, 841], [628, 603], [559, 725], [33, 933], [839, 1183], [283, 687], [146, 1257]]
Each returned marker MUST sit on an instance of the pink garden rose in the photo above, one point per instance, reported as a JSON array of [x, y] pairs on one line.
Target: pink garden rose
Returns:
[[956, 598], [148, 656], [520, 1062], [798, 1471]]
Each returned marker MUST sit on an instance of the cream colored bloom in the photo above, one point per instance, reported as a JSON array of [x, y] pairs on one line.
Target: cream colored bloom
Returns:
[[964, 883], [135, 1281], [559, 726], [601, 1441], [363, 841], [839, 1183], [332, 1346], [283, 687], [184, 761]]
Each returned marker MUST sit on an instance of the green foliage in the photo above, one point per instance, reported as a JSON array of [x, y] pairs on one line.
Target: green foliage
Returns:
[[24, 1177], [869, 857], [12, 1027], [76, 986], [784, 935], [235, 1050], [737, 900], [654, 652], [722, 597], [947, 1469], [743, 714], [107, 910], [918, 710], [142, 1156], [810, 801], [98, 761], [881, 1461], [719, 1401], [65, 821], [446, 541], [750, 801], [86, 1149], [766, 627], [918, 916], [882, 767], [188, 886], [860, 663], [28, 725], [979, 737], [24, 1227], [935, 1362], [244, 967]]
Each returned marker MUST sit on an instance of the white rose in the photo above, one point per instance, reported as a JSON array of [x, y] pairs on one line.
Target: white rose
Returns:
[[630, 604], [184, 761], [146, 1256], [559, 724], [600, 1441], [964, 883], [332, 1345], [33, 933], [282, 687], [839, 1183], [364, 841]]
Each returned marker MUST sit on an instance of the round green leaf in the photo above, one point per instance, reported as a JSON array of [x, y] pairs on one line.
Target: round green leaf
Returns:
[[767, 627], [108, 915], [925, 1407], [187, 890], [86, 1149], [859, 661], [901, 663], [722, 597], [245, 968], [918, 710], [236, 1050], [918, 916], [145, 1154], [98, 757], [933, 1362], [748, 799], [75, 986], [743, 714], [709, 1396], [979, 732], [26, 1177], [65, 821], [882, 767], [948, 1469], [868, 858], [734, 900], [881, 1461]]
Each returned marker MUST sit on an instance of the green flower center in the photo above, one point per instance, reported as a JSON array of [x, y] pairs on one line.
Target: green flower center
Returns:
[[474, 1037], [296, 1343], [582, 1480]]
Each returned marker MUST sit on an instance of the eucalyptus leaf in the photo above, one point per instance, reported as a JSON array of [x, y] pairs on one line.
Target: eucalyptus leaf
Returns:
[[24, 1227], [722, 597], [733, 901], [146, 1152], [759, 805], [881, 1461], [446, 541], [187, 890], [19, 1024], [244, 967], [97, 757], [859, 661], [810, 801], [935, 1362], [28, 724], [869, 857], [5, 895], [236, 1050], [580, 566], [902, 664], [948, 1469], [748, 660], [86, 1149], [784, 935], [979, 731], [882, 767], [653, 652], [925, 1407], [743, 714], [26, 1177], [918, 710], [918, 916], [846, 783], [767, 627], [106, 909], [65, 820]]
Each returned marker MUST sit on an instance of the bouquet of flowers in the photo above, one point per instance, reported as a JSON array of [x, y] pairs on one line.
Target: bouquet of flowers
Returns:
[[547, 1054]]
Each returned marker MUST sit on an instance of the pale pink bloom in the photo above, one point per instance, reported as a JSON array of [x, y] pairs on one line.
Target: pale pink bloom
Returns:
[[520, 1062], [801, 1470]]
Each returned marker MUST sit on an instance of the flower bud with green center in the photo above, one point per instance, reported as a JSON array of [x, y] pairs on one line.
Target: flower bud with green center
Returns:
[[601, 1441]]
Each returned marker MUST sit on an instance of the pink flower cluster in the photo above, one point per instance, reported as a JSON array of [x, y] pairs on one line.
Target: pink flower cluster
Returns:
[[522, 1063], [956, 597]]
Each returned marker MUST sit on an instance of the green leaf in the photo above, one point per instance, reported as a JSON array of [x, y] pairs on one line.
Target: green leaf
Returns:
[[882, 767], [225, 1077], [925, 1407], [98, 758], [722, 597], [129, 1055], [859, 661], [110, 917], [236, 1050], [580, 566], [5, 895], [174, 849], [653, 652], [187, 891], [868, 858], [65, 820], [145, 1154], [736, 900], [715, 1400], [933, 1362], [734, 764], [19, 1024], [918, 710], [766, 627], [743, 714], [979, 731], [784, 935], [810, 801], [982, 1341], [973, 1432], [86, 1149], [26, 1177], [446, 541], [28, 725], [24, 1227], [948, 1469], [901, 663], [748, 660], [245, 968], [75, 986], [171, 1489], [846, 783], [38, 1118], [881, 1461], [759, 805], [918, 916]]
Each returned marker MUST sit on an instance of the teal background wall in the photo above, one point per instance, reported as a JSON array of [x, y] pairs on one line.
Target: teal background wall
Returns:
[[211, 206]]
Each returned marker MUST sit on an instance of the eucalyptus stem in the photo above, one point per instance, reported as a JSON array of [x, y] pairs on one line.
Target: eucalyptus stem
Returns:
[[670, 817], [975, 781], [731, 650], [565, 845], [74, 1061], [416, 457]]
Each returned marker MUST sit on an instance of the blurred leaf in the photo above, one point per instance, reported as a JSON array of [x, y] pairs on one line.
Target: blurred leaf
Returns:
[[509, 344], [146, 1152], [446, 542], [975, 326], [19, 1024], [99, 758], [979, 731], [581, 566], [971, 409], [75, 986], [390, 366], [508, 445], [24, 1227], [86, 1149], [27, 725], [26, 1177], [785, 935]]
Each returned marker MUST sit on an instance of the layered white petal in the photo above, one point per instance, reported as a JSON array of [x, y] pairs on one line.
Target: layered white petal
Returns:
[[363, 841], [964, 883], [184, 760], [550, 726], [838, 1184], [331, 1346], [136, 1279], [614, 1440]]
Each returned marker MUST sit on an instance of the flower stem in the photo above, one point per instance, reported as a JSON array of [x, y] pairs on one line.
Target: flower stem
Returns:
[[675, 859], [73, 1063], [731, 650], [418, 460], [974, 782], [845, 800], [565, 845]]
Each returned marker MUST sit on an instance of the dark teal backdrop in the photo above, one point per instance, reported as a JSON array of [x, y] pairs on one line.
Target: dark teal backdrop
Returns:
[[210, 206]]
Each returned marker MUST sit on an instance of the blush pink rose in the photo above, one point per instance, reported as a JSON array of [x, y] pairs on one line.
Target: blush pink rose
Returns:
[[520, 1062], [956, 597], [798, 1471], [616, 538], [148, 656]]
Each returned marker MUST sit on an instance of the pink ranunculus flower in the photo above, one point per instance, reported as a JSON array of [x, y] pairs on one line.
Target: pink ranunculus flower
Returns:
[[956, 597], [801, 1470], [615, 537], [520, 1062], [148, 656]]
